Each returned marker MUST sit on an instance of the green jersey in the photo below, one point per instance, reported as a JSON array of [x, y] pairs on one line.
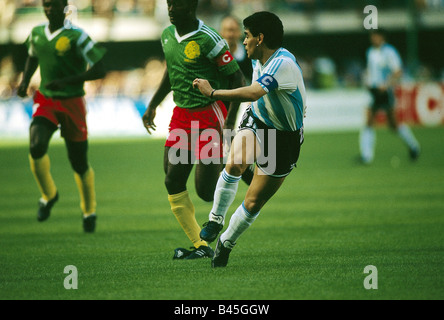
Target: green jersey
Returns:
[[63, 53], [200, 54]]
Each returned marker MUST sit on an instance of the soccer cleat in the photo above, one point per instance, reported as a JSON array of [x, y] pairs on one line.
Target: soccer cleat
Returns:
[[201, 252], [181, 253], [45, 208], [210, 231], [89, 223], [221, 255], [414, 153]]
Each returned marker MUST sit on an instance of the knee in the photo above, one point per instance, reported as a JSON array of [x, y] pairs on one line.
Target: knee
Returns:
[[205, 193], [236, 169], [38, 149], [78, 164], [174, 185]]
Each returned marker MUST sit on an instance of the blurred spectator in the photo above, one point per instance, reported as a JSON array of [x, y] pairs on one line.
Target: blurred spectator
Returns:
[[103, 7], [214, 7], [231, 30], [125, 6], [7, 77], [7, 9], [146, 7]]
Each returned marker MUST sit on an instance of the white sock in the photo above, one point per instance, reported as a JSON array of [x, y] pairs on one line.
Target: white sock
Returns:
[[407, 136], [240, 221], [224, 195], [367, 141]]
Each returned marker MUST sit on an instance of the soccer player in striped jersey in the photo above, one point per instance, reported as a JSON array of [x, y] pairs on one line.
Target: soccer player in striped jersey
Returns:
[[193, 49], [384, 69], [63, 53], [273, 122]]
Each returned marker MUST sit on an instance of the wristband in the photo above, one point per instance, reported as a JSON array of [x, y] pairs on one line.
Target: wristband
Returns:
[[212, 92]]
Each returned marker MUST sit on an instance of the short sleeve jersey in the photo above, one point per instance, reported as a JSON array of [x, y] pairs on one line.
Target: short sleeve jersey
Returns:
[[63, 53], [282, 108], [381, 63], [202, 53]]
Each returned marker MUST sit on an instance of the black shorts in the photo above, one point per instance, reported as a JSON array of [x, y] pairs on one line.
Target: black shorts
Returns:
[[382, 99], [279, 149]]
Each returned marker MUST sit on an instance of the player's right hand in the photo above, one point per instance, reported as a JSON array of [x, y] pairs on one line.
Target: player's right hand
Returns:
[[148, 119], [22, 90]]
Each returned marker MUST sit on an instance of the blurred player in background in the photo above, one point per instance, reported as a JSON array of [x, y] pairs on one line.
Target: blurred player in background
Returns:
[[63, 53], [278, 92], [384, 70], [192, 50]]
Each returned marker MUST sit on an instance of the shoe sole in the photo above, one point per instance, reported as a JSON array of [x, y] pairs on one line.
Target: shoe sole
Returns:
[[224, 262]]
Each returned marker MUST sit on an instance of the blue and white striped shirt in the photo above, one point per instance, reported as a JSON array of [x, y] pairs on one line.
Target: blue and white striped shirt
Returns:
[[381, 63], [282, 108]]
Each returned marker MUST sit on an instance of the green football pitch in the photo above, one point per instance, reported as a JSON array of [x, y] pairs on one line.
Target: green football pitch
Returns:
[[331, 219]]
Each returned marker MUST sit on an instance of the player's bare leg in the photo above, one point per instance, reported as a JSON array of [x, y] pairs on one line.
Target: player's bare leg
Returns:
[[405, 134], [85, 179], [242, 155], [41, 131], [176, 177], [205, 179], [367, 138], [262, 188]]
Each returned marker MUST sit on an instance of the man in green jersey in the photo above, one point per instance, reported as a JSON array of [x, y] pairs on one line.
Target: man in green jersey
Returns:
[[63, 53], [192, 50]]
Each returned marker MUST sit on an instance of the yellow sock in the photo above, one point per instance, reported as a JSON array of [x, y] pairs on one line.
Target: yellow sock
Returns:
[[85, 184], [183, 209], [42, 174]]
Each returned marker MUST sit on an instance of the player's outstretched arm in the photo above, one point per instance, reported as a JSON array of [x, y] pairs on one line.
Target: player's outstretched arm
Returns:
[[244, 94], [158, 97], [30, 67], [97, 71]]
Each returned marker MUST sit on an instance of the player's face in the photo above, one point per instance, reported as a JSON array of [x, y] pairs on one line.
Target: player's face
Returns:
[[230, 31], [54, 10], [179, 11], [251, 45], [376, 40]]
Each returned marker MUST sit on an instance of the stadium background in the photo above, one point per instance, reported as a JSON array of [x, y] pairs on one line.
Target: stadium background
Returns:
[[327, 37]]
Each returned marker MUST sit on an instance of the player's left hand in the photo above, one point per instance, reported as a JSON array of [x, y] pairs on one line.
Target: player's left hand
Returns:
[[203, 86], [56, 85]]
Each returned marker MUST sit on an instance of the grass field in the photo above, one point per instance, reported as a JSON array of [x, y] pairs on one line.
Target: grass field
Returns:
[[331, 219]]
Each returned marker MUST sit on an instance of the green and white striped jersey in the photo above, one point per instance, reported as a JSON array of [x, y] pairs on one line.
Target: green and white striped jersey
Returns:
[[63, 53], [203, 54]]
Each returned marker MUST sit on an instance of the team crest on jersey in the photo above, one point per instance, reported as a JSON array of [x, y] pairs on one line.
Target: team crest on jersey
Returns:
[[192, 51], [63, 45]]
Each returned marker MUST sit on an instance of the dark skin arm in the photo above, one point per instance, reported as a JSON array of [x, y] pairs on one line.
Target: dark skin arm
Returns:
[[236, 80], [97, 71], [150, 113], [31, 66]]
